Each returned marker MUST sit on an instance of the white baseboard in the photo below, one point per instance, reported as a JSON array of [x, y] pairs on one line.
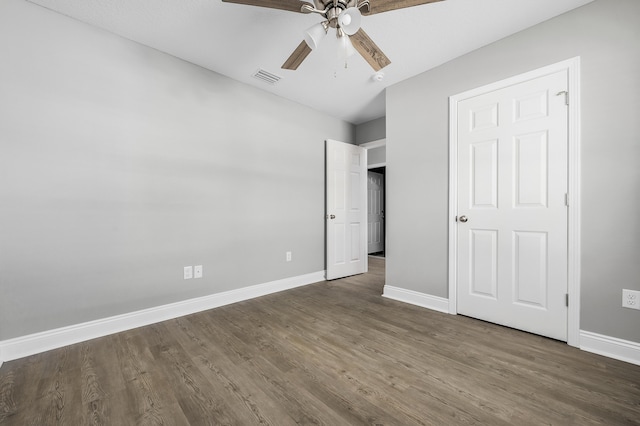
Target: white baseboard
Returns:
[[428, 301], [623, 350], [612, 347], [20, 347]]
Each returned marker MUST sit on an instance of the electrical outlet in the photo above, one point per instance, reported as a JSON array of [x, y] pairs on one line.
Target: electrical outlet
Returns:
[[197, 271], [188, 272], [631, 299], [288, 256]]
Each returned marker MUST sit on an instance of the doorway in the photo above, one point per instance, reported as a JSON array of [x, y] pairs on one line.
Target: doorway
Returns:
[[376, 190]]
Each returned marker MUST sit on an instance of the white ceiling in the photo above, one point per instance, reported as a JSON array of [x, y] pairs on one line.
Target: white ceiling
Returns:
[[237, 40]]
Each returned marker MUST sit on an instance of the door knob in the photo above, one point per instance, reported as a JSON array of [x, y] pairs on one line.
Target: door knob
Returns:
[[333, 216], [463, 219]]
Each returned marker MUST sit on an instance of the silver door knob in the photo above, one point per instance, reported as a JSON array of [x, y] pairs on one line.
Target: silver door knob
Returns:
[[333, 216], [463, 219]]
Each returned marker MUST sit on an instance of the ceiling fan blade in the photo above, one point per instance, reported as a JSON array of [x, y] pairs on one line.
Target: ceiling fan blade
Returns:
[[290, 5], [296, 58], [369, 50], [379, 6]]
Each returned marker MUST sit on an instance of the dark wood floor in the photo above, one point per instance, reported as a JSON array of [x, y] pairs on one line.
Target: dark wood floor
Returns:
[[333, 353]]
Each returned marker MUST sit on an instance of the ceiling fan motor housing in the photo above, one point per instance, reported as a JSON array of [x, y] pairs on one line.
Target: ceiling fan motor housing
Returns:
[[334, 9]]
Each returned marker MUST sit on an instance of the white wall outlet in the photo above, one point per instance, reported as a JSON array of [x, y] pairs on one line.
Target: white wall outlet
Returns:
[[631, 299], [288, 256], [197, 271], [188, 272]]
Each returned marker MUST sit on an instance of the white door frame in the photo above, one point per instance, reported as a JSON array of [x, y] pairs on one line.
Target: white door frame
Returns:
[[377, 144], [573, 68]]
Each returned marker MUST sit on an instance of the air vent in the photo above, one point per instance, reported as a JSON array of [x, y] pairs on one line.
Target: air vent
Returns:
[[266, 76]]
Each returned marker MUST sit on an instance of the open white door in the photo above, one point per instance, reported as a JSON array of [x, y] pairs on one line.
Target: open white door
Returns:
[[346, 216]]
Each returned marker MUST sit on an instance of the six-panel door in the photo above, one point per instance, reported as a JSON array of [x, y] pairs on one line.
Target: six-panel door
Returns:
[[346, 215], [512, 182]]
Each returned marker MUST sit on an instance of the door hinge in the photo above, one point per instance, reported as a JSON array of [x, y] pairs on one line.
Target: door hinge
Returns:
[[566, 96], [566, 199], [566, 299]]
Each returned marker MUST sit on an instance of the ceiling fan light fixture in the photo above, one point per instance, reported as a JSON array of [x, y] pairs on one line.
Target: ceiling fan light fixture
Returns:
[[349, 20], [314, 35]]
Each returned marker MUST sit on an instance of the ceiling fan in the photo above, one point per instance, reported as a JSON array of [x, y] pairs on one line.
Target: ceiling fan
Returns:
[[344, 16]]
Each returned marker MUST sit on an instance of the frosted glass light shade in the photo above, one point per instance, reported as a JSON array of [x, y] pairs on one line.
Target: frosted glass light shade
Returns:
[[346, 46], [349, 20], [314, 35]]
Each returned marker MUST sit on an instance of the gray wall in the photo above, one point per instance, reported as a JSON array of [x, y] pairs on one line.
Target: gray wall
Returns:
[[606, 35], [371, 131], [119, 165]]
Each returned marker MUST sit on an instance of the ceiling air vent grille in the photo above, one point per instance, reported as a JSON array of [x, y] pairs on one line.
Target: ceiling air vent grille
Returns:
[[266, 76]]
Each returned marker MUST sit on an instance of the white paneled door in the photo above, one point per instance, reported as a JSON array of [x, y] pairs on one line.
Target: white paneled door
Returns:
[[346, 216], [375, 212], [511, 206]]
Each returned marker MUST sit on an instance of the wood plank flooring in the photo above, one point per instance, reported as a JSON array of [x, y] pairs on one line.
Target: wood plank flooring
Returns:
[[331, 353]]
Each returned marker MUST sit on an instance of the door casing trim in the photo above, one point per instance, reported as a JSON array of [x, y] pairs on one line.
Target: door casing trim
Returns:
[[573, 273]]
